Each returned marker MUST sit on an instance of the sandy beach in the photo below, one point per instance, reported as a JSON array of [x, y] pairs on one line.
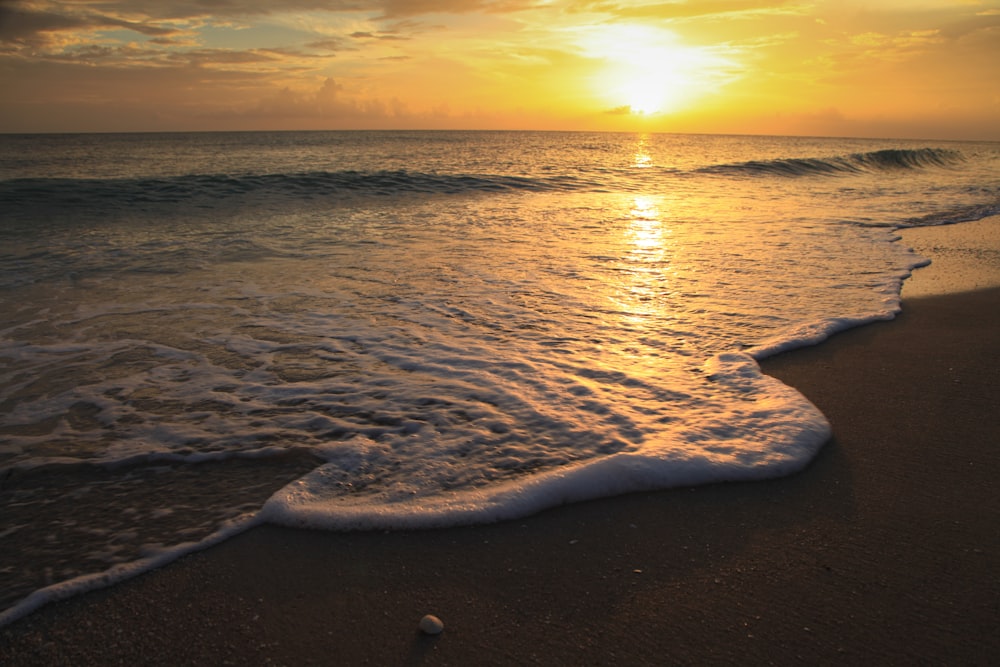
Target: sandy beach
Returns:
[[883, 551]]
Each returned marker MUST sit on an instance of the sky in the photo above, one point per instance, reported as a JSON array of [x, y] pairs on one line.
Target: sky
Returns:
[[862, 68]]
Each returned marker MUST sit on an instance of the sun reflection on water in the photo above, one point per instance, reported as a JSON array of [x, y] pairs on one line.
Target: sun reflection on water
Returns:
[[644, 269], [642, 158], [645, 230]]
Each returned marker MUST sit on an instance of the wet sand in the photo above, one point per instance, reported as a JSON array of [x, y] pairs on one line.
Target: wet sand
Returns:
[[883, 551], [966, 257]]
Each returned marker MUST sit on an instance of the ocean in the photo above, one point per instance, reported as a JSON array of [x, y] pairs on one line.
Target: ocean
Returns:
[[398, 330]]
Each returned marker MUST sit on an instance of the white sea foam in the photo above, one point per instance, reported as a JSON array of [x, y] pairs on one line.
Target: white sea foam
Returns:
[[768, 431]]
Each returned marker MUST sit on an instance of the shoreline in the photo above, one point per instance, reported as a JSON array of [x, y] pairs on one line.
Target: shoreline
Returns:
[[884, 548], [659, 560]]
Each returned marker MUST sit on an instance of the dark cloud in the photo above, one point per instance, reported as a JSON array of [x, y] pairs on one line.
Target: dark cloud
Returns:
[[192, 9], [34, 24], [282, 53], [21, 24], [383, 36], [17, 24], [160, 10], [63, 33], [332, 44], [165, 41], [223, 57]]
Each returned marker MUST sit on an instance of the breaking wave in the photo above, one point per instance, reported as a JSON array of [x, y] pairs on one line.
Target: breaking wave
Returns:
[[112, 192], [203, 189], [955, 215], [856, 163]]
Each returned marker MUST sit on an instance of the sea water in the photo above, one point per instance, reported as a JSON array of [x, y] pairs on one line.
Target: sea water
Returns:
[[384, 330]]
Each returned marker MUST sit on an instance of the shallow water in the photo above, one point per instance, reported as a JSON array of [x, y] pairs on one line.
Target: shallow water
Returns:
[[421, 328]]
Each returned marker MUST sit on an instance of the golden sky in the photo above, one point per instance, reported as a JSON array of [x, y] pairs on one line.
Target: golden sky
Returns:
[[876, 68]]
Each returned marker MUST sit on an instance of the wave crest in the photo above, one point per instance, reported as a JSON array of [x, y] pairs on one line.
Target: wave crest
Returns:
[[893, 159], [110, 194], [71, 192]]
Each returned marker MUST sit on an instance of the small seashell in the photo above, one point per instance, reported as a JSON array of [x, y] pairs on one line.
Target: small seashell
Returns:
[[431, 625]]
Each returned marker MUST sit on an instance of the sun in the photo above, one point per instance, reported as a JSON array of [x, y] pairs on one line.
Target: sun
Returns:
[[649, 71], [647, 93], [643, 96]]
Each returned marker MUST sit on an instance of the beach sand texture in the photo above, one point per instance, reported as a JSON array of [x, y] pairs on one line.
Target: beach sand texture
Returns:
[[966, 257], [883, 551]]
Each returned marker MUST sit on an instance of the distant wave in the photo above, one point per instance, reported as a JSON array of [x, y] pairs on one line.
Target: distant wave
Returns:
[[856, 163], [111, 192]]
